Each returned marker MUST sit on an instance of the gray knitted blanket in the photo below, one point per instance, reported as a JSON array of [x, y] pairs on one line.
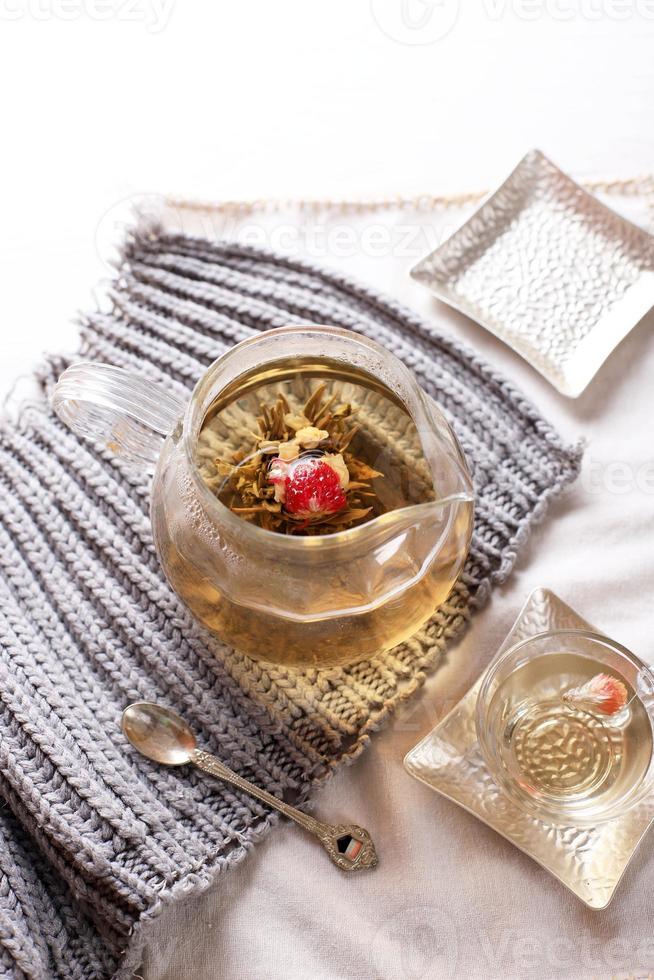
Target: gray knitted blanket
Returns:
[[95, 839]]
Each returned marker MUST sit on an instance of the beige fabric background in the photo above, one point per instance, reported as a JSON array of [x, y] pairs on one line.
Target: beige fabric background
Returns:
[[451, 898]]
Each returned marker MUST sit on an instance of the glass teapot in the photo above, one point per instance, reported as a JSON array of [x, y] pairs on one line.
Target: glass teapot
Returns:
[[296, 600]]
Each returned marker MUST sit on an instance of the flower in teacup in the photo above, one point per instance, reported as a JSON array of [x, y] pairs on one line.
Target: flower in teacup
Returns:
[[602, 693]]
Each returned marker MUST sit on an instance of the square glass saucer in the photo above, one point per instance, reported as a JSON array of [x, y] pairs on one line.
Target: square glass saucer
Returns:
[[550, 270], [589, 861]]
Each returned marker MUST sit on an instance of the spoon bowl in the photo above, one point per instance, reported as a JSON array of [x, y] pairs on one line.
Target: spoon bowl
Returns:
[[158, 733]]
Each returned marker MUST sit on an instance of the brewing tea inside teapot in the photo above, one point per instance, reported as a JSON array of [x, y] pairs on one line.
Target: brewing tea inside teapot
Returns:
[[312, 447], [310, 503]]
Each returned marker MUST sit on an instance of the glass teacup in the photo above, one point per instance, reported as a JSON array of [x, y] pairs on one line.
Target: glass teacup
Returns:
[[566, 762]]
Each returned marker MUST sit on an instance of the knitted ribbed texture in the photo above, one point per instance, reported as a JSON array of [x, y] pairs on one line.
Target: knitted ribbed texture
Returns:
[[95, 839]]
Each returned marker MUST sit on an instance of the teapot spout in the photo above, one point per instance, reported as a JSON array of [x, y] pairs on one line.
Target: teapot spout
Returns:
[[416, 551]]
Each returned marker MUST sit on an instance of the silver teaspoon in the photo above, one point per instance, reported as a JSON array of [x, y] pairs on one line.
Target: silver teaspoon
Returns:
[[161, 735]]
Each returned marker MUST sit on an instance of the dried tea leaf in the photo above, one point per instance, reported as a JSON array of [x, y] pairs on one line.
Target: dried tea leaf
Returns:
[[314, 402], [347, 437], [361, 470]]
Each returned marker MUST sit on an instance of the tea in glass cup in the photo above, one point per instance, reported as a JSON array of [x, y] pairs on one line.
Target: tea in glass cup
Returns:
[[565, 724]]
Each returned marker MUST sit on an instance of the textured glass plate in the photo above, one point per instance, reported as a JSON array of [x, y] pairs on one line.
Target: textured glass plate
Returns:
[[549, 270], [589, 861]]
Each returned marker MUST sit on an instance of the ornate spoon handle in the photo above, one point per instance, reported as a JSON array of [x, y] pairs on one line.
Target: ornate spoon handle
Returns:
[[348, 845]]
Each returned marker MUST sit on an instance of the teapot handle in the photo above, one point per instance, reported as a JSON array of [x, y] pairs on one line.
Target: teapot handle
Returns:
[[131, 415]]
